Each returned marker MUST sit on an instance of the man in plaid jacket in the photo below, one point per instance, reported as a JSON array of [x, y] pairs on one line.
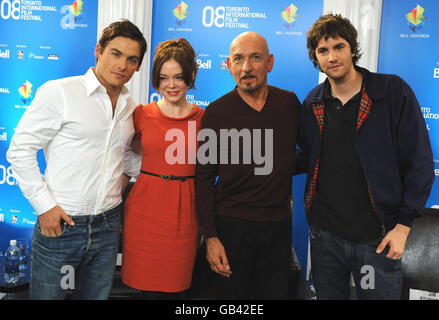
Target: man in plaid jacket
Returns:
[[370, 168]]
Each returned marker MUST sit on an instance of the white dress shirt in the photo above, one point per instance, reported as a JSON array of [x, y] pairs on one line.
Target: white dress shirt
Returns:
[[87, 149]]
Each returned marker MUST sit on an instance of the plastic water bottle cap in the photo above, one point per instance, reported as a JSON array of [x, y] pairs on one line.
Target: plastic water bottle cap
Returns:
[[13, 242]]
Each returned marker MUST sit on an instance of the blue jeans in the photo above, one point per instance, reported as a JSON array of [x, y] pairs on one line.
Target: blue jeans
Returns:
[[376, 276], [82, 258]]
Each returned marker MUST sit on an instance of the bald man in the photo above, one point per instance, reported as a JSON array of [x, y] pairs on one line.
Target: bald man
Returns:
[[245, 215]]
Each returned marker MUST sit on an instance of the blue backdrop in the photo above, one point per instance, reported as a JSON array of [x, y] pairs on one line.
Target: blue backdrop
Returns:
[[211, 25], [39, 41], [49, 39], [409, 47]]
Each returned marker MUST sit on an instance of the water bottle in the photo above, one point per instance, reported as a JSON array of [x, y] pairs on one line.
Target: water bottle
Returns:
[[12, 264], [23, 260]]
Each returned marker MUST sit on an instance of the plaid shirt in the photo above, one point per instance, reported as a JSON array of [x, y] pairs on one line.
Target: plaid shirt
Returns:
[[393, 147]]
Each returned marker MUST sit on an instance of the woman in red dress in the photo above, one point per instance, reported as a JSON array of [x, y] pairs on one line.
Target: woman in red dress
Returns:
[[160, 229]]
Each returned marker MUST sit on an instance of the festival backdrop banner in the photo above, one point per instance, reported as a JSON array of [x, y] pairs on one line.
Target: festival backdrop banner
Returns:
[[211, 25], [39, 41], [409, 48]]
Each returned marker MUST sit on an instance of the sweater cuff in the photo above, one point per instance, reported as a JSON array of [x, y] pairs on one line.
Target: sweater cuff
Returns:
[[209, 231], [405, 219]]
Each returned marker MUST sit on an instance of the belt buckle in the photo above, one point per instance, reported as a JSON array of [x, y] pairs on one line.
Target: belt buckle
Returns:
[[167, 177]]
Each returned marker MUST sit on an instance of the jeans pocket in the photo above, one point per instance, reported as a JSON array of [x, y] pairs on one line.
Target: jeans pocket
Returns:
[[386, 264], [112, 223], [63, 230], [384, 256]]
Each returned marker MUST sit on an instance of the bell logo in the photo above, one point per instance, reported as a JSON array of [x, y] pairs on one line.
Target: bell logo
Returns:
[[4, 54], [204, 65]]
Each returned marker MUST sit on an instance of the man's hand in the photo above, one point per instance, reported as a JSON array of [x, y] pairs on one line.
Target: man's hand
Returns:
[[136, 144], [125, 181], [396, 239], [50, 221], [217, 258]]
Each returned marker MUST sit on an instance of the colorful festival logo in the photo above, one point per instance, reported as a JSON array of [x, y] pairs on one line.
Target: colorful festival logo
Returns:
[[26, 92], [76, 7], [180, 12], [416, 18], [289, 15], [72, 14]]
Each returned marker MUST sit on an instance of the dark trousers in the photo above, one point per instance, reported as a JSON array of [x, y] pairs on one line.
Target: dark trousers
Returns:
[[158, 295], [376, 276], [259, 257]]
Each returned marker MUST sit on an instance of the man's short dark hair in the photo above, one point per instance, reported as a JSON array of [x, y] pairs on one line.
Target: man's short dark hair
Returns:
[[123, 28], [332, 26]]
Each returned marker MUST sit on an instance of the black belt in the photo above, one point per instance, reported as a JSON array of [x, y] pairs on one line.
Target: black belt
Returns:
[[168, 177]]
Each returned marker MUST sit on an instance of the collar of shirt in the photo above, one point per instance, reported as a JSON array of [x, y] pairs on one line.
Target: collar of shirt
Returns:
[[92, 83], [327, 94], [93, 86]]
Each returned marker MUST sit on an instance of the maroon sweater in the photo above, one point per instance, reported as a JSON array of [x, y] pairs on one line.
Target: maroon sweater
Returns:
[[239, 192]]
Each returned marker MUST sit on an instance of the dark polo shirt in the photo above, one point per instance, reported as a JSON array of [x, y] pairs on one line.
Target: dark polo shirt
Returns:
[[342, 205]]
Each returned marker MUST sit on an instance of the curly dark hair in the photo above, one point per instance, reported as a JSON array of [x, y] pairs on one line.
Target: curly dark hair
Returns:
[[332, 26]]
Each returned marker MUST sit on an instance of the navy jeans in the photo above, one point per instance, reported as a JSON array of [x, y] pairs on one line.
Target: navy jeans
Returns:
[[376, 276], [82, 258]]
